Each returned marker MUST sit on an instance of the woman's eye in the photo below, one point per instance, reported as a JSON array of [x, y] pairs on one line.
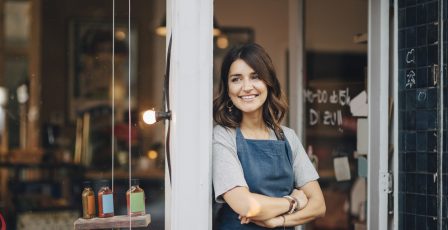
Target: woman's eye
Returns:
[[234, 79], [255, 76]]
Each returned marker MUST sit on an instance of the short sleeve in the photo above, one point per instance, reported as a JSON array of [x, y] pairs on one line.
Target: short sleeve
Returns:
[[304, 170], [227, 170]]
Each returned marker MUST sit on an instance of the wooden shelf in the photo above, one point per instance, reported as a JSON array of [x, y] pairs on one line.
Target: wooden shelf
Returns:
[[113, 222], [8, 164]]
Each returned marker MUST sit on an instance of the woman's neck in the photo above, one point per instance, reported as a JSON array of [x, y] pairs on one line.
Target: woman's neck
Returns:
[[254, 127]]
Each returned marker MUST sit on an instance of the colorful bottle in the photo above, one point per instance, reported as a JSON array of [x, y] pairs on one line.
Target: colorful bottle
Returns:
[[135, 199], [105, 200], [88, 201]]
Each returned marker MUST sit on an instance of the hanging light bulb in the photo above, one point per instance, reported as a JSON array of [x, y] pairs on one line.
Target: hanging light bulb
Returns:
[[150, 116], [3, 96], [222, 42], [22, 94], [161, 29]]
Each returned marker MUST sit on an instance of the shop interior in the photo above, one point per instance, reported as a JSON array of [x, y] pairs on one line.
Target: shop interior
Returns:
[[64, 120]]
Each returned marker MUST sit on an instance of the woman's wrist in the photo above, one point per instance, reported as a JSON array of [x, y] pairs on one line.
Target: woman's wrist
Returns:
[[293, 204], [301, 199]]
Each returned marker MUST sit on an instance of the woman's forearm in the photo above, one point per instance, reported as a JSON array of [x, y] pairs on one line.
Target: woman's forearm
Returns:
[[314, 209], [255, 206], [269, 207]]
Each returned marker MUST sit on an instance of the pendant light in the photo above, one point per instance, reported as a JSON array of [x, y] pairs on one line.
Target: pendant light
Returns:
[[161, 29]]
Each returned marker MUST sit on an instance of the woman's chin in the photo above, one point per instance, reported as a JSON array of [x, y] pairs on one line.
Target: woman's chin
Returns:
[[249, 111]]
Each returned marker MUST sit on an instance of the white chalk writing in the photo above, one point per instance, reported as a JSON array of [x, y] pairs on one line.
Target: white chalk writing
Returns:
[[326, 117], [340, 96], [332, 115], [410, 56], [410, 79]]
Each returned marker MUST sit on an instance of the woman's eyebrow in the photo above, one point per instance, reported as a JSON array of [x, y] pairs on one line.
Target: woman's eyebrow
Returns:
[[235, 74]]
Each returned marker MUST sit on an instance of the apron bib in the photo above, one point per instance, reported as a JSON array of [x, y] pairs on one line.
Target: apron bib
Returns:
[[267, 167]]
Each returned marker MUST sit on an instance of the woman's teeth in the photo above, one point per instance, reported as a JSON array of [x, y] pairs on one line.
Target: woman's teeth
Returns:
[[248, 97]]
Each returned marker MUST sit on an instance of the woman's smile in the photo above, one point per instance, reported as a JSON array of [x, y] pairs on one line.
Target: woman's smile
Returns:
[[248, 98]]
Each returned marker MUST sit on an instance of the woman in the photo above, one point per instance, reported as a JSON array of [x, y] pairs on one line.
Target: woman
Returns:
[[260, 169]]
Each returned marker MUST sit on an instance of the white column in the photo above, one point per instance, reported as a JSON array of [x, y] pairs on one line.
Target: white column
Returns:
[[378, 94], [191, 24], [296, 60], [395, 118]]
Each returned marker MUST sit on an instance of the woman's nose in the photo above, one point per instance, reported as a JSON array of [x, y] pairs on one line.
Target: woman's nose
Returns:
[[247, 85]]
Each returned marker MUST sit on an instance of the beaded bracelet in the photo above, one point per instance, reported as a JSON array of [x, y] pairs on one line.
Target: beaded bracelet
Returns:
[[284, 222]]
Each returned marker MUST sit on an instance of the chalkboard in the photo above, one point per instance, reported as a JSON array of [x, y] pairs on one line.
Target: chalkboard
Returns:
[[328, 107]]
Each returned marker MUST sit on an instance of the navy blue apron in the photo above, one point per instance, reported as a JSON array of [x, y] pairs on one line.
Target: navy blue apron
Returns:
[[267, 166]]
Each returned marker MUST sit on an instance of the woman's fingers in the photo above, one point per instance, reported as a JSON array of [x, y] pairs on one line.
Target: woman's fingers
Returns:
[[244, 220]]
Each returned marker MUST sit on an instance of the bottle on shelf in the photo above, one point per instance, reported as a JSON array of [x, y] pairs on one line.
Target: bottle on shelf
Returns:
[[105, 200], [135, 199], [88, 201]]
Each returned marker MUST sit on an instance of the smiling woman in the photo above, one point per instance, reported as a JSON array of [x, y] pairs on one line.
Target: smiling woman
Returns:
[[246, 90], [260, 169]]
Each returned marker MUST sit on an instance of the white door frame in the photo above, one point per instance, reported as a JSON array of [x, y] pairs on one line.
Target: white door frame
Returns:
[[395, 115], [378, 100], [189, 196], [296, 62]]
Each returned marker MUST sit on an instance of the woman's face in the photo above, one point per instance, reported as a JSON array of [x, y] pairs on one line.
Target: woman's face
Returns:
[[246, 90]]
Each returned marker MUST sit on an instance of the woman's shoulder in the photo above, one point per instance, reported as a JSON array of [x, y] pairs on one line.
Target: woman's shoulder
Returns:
[[223, 135], [219, 130], [290, 134], [288, 131]]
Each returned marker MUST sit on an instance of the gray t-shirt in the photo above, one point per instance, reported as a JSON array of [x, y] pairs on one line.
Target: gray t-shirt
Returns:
[[228, 172]]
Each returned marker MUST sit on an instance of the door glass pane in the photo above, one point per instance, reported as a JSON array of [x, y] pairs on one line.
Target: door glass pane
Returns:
[[337, 133]]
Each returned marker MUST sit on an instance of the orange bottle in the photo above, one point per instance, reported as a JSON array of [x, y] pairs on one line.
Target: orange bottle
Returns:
[[88, 201]]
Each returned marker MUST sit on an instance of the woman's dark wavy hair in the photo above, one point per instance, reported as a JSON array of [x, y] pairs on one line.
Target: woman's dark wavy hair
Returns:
[[275, 106]]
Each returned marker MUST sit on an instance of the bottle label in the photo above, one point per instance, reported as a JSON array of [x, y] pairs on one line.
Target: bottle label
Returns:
[[137, 202], [91, 205], [108, 203]]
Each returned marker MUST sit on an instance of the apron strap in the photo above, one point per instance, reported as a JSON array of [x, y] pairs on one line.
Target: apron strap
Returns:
[[280, 134]]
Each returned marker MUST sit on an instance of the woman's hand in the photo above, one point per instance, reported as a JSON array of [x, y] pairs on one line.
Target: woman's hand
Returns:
[[270, 223], [243, 219], [301, 197]]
